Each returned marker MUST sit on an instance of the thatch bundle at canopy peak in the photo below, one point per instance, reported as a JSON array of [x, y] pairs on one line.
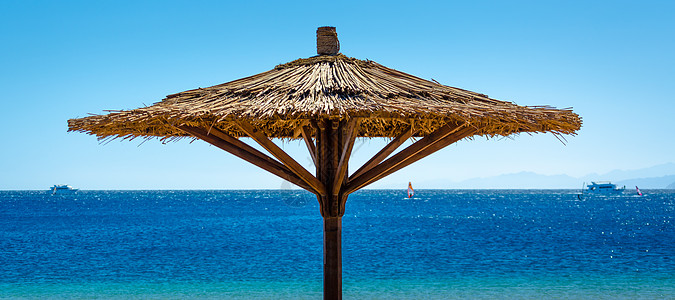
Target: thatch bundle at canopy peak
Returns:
[[336, 87]]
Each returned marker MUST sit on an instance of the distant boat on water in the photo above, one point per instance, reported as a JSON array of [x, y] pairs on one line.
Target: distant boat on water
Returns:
[[604, 188], [411, 191], [62, 189], [600, 188]]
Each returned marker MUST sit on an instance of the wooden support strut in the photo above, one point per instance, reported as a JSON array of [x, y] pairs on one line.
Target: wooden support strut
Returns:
[[464, 132], [298, 129], [307, 136], [240, 149], [348, 145], [384, 153], [283, 157], [438, 139]]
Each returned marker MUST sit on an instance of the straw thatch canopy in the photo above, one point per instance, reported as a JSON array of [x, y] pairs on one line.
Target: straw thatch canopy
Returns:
[[328, 86]]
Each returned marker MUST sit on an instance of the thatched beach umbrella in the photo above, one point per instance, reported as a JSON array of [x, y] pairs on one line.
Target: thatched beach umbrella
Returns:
[[329, 100]]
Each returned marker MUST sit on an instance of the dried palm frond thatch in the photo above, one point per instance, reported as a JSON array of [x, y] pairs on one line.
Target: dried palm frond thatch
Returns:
[[334, 87]]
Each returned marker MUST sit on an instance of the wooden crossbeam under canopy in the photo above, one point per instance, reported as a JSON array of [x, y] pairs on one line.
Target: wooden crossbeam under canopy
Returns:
[[329, 101]]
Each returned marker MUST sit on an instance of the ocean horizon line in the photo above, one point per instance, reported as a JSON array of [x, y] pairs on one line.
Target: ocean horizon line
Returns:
[[300, 189]]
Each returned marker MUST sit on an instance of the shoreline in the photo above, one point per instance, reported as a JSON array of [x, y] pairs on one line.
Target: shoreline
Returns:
[[651, 286]]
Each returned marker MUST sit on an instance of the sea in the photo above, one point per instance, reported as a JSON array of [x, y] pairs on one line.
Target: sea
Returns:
[[267, 244]]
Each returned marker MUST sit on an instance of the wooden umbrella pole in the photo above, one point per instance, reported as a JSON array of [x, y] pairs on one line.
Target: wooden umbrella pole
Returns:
[[330, 141], [332, 258]]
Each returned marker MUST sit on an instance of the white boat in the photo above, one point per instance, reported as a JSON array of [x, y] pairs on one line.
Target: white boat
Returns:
[[62, 189], [603, 188]]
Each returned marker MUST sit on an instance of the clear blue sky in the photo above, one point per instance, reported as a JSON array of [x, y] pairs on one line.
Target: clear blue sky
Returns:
[[612, 61]]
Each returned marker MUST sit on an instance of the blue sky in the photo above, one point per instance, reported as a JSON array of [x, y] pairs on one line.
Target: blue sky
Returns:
[[612, 61]]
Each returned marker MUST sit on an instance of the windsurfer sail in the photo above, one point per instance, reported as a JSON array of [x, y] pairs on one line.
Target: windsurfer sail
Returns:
[[638, 191], [411, 192]]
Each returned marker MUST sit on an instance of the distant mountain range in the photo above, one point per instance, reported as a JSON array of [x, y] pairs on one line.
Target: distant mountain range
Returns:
[[656, 177]]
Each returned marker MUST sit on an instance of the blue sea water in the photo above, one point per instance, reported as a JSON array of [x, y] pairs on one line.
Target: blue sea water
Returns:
[[267, 244]]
